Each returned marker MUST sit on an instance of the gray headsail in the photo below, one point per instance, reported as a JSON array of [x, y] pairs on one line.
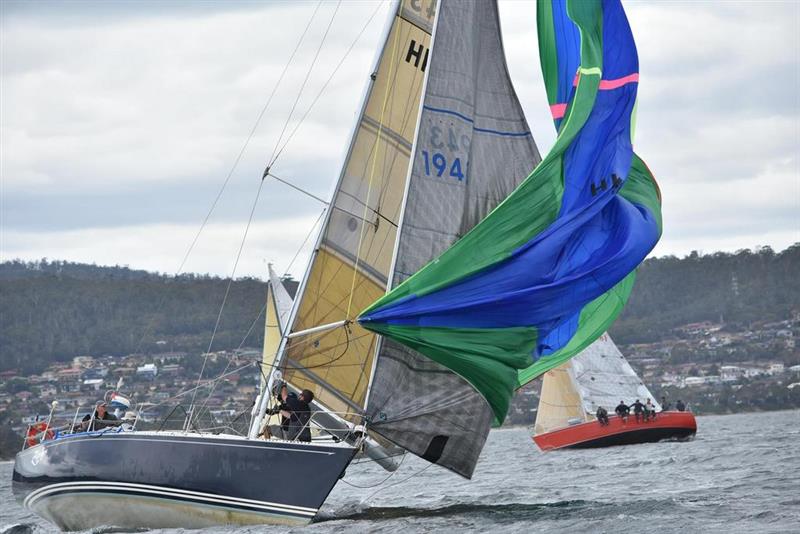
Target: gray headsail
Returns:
[[473, 147]]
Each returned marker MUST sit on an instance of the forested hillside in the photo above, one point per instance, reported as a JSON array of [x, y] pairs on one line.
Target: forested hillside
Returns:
[[57, 310], [52, 310], [736, 289]]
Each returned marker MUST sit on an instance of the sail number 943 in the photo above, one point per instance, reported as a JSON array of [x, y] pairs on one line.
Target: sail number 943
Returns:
[[437, 164]]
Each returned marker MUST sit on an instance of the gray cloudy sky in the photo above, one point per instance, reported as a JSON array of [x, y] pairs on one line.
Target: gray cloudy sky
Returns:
[[120, 121]]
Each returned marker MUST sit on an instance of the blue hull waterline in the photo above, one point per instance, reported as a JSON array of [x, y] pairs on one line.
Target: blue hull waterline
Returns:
[[167, 479]]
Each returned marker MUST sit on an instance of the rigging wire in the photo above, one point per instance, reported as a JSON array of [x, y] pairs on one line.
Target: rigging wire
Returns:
[[303, 244], [187, 391], [259, 363], [230, 360], [409, 477], [327, 203], [380, 485], [303, 84], [370, 460], [260, 313], [227, 290], [229, 175], [329, 362], [274, 157], [249, 136], [390, 475], [325, 85], [297, 188]]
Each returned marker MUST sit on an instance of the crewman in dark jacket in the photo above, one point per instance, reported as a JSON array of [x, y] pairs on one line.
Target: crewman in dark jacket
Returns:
[[638, 408], [622, 410], [283, 396], [299, 415], [100, 419], [602, 416], [680, 406]]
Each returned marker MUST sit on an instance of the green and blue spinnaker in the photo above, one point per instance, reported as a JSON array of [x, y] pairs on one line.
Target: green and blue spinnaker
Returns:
[[549, 269]]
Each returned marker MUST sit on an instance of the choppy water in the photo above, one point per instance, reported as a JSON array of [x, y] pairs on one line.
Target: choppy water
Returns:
[[741, 474]]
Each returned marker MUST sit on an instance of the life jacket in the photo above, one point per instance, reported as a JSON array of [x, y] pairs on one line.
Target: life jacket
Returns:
[[35, 430]]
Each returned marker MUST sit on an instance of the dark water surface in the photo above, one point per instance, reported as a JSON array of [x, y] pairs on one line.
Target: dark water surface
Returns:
[[741, 474]]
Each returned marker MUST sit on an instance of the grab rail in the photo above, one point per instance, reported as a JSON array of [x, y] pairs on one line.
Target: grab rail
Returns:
[[338, 425]]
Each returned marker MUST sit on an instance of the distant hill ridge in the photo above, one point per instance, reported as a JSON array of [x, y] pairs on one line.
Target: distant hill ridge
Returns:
[[736, 288], [55, 310]]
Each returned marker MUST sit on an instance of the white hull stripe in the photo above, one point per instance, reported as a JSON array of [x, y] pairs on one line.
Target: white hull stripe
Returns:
[[144, 489], [70, 439]]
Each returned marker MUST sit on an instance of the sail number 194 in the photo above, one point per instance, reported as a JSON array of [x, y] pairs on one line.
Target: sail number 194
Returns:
[[440, 165]]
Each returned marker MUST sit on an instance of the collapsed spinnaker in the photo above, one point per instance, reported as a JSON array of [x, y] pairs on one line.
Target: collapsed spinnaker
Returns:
[[559, 54], [548, 270]]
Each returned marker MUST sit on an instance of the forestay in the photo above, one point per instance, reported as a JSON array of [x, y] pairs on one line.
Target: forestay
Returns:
[[472, 149]]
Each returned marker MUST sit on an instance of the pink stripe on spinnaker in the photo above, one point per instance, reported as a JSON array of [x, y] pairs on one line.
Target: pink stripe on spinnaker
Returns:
[[605, 85], [558, 110]]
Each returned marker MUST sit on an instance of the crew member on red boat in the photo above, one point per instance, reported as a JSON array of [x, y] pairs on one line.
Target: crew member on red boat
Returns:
[[664, 404], [649, 411], [602, 416], [638, 408], [680, 406], [622, 410]]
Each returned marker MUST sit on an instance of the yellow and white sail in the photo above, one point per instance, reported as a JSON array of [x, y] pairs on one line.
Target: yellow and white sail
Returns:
[[352, 260], [559, 402]]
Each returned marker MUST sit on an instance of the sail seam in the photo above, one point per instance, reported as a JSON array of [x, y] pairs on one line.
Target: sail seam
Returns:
[[472, 121]]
